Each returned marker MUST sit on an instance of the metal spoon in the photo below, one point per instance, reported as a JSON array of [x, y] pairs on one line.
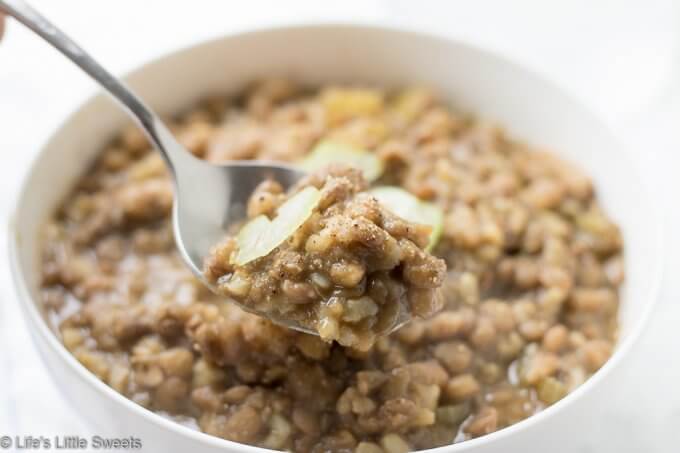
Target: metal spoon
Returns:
[[208, 197]]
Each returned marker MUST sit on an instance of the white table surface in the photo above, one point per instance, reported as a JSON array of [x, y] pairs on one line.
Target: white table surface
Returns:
[[621, 56]]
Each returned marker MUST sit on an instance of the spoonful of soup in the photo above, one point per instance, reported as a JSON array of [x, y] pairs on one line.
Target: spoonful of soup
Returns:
[[329, 257]]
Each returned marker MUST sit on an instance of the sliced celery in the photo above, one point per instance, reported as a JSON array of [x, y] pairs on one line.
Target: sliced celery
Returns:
[[260, 235], [411, 208], [327, 152]]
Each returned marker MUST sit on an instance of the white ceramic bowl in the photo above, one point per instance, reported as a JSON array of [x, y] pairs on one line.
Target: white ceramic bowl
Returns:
[[474, 80]]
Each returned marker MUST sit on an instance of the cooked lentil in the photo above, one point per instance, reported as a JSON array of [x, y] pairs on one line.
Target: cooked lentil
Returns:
[[530, 295]]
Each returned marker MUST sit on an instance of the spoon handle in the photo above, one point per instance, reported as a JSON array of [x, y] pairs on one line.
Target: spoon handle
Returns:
[[152, 125]]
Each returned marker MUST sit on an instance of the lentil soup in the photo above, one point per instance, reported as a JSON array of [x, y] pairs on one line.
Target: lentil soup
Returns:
[[529, 295]]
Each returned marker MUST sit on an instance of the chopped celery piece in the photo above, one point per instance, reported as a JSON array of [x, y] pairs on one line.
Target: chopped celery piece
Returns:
[[410, 208], [252, 239], [550, 390], [260, 235], [327, 152]]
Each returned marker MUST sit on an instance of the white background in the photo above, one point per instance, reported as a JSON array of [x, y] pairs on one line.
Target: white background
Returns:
[[622, 57]]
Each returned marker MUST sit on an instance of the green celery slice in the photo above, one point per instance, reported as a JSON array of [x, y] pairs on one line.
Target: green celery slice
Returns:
[[260, 236], [327, 152], [252, 239], [412, 209]]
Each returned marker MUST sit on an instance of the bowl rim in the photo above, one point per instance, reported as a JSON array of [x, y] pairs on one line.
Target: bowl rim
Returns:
[[30, 309]]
